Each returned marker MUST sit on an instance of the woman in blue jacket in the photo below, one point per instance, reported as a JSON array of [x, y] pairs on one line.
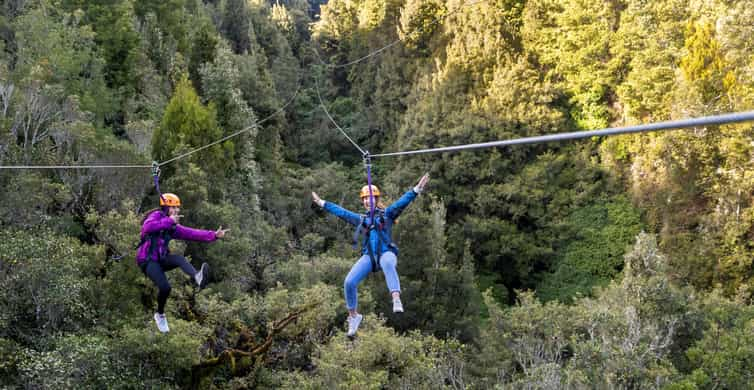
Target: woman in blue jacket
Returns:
[[378, 251]]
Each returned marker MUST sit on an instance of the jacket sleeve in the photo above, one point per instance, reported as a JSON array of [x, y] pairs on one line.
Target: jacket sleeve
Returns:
[[346, 215], [395, 209], [190, 234], [157, 221]]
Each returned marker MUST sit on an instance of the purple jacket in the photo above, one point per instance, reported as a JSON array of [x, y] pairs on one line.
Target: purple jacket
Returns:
[[157, 221]]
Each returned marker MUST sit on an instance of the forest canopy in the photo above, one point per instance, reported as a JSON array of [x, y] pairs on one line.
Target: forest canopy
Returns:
[[612, 262]]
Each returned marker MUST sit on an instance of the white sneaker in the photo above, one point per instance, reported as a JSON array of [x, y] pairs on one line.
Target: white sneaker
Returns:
[[353, 324], [397, 306], [201, 276], [162, 322]]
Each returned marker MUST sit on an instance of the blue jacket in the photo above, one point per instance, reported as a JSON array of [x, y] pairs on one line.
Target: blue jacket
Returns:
[[379, 244]]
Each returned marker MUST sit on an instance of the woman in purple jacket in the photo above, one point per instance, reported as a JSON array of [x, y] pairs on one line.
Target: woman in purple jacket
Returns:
[[154, 258]]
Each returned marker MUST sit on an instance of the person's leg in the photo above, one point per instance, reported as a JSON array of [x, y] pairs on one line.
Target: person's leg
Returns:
[[358, 272], [155, 272], [170, 262], [389, 265]]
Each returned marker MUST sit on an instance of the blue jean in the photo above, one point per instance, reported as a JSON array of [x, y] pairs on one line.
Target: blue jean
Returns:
[[362, 268]]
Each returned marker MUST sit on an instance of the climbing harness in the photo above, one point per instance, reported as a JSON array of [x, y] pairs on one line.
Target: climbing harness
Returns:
[[376, 219]]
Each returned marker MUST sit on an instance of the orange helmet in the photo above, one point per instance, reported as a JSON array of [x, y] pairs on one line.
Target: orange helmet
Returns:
[[365, 191], [170, 200]]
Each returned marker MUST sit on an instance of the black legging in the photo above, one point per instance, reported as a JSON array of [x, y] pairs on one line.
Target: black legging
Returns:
[[156, 271]]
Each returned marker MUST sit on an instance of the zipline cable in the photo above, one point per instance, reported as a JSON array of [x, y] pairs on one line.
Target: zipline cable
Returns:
[[380, 50], [324, 108], [73, 166], [667, 125]]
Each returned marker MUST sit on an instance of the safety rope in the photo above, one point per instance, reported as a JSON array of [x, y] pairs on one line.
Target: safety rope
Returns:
[[156, 176], [368, 165]]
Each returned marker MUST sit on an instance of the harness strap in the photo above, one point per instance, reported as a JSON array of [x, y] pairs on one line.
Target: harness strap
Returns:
[[378, 229], [362, 227], [357, 231], [166, 235], [374, 260]]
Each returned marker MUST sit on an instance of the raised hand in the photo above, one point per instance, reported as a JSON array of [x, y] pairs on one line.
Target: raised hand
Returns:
[[220, 232], [316, 199], [422, 183]]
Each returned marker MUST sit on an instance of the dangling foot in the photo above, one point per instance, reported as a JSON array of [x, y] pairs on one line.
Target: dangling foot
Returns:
[[397, 305], [353, 324], [162, 322], [201, 276]]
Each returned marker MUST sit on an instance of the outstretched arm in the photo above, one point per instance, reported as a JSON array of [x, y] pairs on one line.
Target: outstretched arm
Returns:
[[332, 208], [395, 209], [191, 234]]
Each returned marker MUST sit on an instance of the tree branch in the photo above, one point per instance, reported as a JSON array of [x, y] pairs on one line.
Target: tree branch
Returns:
[[231, 355]]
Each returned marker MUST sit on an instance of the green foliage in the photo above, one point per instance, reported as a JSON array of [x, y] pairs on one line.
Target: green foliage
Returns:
[[205, 43], [47, 283], [160, 360], [573, 39], [76, 361], [419, 23], [173, 18], [235, 25], [116, 39], [11, 354], [649, 42], [594, 257], [220, 83], [624, 337], [379, 358], [188, 124], [431, 278], [722, 357], [99, 189], [271, 40], [56, 48], [703, 64], [84, 82], [121, 283], [28, 200]]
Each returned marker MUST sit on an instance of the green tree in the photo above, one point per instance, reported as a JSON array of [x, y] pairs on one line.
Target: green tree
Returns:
[[381, 358], [236, 24], [703, 65], [174, 18], [57, 52], [721, 358], [187, 124], [49, 287], [647, 47], [573, 39], [594, 256], [205, 44]]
